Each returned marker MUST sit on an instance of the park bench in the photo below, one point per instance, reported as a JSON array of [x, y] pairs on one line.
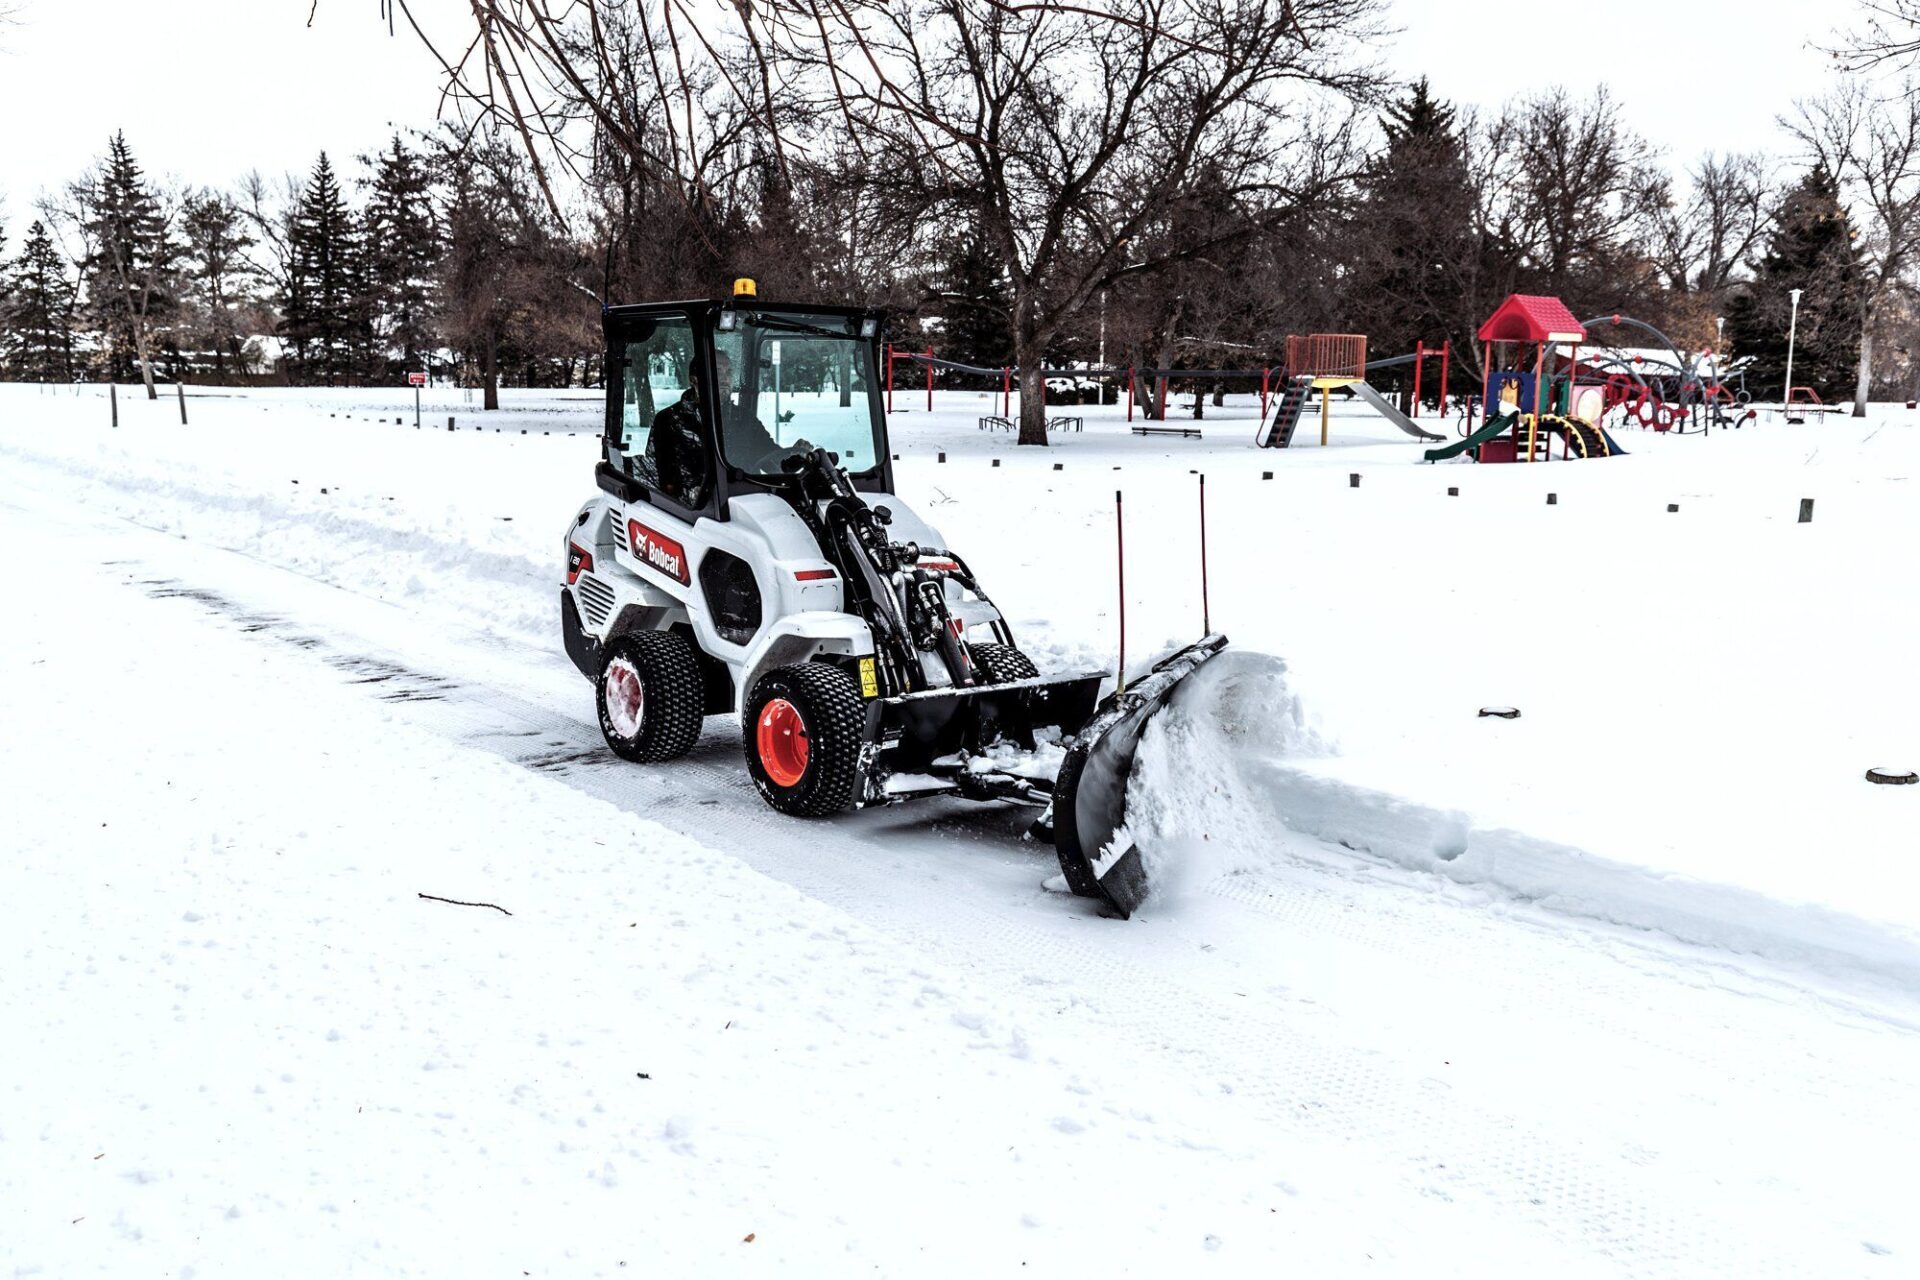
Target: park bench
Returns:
[[1190, 432]]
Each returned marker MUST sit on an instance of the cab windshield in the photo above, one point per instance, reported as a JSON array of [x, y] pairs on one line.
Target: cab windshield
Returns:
[[790, 383]]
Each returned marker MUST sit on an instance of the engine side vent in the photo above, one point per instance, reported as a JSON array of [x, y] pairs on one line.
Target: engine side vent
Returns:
[[596, 600], [619, 528], [733, 597]]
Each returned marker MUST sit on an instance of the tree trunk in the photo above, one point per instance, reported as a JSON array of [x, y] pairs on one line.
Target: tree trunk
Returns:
[[1029, 361], [146, 365], [490, 373], [1157, 392], [1863, 382], [1033, 396]]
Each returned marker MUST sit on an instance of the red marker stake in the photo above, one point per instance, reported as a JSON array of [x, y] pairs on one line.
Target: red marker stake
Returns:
[[1206, 615], [1120, 535]]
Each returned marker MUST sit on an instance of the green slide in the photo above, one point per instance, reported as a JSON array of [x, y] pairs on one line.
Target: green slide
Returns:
[[1496, 427]]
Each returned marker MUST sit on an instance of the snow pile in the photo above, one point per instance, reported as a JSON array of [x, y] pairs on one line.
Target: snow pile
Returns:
[[1231, 766], [1188, 804]]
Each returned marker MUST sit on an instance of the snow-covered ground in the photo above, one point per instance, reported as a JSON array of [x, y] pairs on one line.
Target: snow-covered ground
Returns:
[[1623, 986]]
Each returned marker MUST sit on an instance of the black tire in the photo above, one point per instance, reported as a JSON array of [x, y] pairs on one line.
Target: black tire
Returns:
[[832, 720], [673, 698], [1003, 664]]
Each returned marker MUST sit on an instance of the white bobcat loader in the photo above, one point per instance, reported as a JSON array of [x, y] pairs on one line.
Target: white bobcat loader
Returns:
[[745, 554]]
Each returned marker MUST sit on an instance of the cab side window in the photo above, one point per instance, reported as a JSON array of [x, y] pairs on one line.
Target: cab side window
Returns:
[[660, 439]]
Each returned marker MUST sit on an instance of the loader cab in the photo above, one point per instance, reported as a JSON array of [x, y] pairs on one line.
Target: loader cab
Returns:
[[706, 399]]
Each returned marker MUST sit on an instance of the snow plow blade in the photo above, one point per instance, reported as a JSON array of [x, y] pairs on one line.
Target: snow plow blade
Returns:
[[1090, 795]]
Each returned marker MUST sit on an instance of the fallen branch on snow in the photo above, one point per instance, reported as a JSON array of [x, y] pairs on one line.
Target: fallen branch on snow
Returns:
[[456, 902]]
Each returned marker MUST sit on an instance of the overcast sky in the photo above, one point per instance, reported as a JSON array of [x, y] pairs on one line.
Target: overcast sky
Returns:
[[209, 89]]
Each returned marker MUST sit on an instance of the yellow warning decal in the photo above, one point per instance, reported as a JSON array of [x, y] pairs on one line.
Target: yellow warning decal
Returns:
[[869, 682]]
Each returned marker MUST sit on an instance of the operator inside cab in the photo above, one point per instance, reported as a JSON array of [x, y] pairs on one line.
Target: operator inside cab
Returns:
[[676, 452], [747, 443]]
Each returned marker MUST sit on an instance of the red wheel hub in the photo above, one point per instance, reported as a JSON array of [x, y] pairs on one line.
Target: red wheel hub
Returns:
[[780, 739], [626, 698]]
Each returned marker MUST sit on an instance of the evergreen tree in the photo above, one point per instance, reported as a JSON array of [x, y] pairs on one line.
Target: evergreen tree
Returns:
[[1419, 119], [129, 271], [217, 272], [321, 309], [1812, 250], [971, 295], [38, 339], [402, 249], [1411, 240], [6, 287]]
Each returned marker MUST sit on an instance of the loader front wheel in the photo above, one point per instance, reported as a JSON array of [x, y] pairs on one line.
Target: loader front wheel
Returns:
[[1003, 664], [650, 696], [804, 730]]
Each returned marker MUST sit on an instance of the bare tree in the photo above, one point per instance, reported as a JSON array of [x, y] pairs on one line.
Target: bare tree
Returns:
[[269, 209], [669, 84], [1062, 132], [1699, 239], [1871, 146], [1565, 207], [1889, 34], [1076, 142], [504, 274]]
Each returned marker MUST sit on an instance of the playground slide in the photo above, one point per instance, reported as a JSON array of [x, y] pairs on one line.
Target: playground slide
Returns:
[[1498, 426], [1386, 410], [1613, 446]]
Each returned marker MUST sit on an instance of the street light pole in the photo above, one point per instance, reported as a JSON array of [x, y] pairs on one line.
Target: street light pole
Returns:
[[1793, 328]]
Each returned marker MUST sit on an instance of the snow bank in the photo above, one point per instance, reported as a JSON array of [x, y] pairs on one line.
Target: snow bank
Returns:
[[1231, 762]]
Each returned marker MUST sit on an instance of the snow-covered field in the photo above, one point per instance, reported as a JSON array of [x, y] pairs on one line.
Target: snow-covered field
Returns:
[[1626, 985]]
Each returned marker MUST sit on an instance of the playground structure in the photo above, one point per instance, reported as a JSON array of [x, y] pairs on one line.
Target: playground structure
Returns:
[[1657, 387], [1536, 405], [1660, 388], [1801, 401], [1328, 362]]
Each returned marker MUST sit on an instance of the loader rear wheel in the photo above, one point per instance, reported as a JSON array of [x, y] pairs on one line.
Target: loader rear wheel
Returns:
[[1003, 664], [805, 726], [650, 696]]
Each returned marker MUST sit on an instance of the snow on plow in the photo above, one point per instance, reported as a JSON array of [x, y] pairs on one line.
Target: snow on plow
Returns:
[[1088, 816]]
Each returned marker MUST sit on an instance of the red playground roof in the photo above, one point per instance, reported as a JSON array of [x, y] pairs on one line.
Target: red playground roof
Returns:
[[1526, 317]]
